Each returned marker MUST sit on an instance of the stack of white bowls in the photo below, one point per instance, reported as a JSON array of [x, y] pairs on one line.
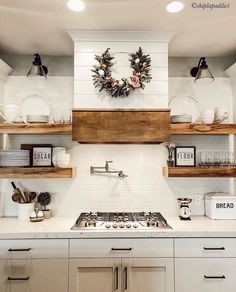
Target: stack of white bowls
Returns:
[[59, 157]]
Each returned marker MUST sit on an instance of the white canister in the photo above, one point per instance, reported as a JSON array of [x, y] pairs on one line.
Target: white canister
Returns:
[[24, 211]]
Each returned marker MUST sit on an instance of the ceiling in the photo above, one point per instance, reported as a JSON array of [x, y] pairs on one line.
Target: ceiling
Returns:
[[27, 26]]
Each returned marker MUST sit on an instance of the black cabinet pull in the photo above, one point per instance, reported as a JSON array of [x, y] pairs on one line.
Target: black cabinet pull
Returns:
[[121, 249], [19, 249], [116, 278], [18, 278], [214, 248], [214, 277], [125, 278]]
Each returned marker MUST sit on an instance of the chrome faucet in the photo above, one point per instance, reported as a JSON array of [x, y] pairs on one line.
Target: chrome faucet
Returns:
[[105, 169]]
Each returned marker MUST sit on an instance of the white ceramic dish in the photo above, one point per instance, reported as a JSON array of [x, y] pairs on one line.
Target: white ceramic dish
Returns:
[[181, 119], [37, 119], [34, 105], [184, 104]]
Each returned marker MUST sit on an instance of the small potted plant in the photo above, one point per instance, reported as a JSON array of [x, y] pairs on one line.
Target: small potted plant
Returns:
[[44, 199], [170, 148]]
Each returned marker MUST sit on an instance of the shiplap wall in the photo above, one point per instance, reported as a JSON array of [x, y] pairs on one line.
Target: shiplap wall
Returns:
[[155, 93]]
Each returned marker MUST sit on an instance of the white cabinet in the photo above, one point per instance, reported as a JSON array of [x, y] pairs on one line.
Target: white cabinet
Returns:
[[33, 248], [205, 264], [135, 247], [39, 265], [94, 275], [126, 275], [205, 275], [34, 275], [205, 247], [147, 274], [121, 265]]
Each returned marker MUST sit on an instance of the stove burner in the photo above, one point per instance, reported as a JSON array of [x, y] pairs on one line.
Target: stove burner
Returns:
[[121, 221]]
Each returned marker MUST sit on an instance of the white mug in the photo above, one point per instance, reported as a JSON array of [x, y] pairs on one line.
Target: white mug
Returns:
[[9, 112], [221, 113]]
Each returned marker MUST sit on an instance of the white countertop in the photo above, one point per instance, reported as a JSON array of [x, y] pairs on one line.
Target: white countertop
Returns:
[[60, 227]]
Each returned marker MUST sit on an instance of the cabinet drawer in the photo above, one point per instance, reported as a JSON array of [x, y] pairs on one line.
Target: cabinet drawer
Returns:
[[34, 275], [205, 247], [205, 275], [121, 248], [33, 248]]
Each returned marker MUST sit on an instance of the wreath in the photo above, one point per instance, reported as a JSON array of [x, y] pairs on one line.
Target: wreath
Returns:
[[103, 79]]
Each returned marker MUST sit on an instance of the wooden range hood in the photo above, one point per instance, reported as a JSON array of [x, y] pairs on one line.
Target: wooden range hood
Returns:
[[116, 126]]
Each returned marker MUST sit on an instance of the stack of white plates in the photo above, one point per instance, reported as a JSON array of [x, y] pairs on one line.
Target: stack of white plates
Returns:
[[181, 119], [37, 118], [14, 158]]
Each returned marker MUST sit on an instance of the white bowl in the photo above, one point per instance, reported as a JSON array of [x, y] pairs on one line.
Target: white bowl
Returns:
[[207, 120], [61, 159]]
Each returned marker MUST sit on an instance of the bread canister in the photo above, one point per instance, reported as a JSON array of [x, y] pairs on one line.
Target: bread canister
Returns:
[[220, 206]]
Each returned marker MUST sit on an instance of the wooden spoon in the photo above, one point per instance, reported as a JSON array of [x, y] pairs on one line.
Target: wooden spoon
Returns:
[[31, 196], [16, 197]]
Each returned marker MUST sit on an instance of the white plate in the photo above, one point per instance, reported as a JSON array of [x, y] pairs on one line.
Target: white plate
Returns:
[[37, 119], [181, 119], [34, 105]]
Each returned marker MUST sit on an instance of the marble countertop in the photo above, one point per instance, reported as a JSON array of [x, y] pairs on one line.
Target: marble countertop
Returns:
[[60, 227]]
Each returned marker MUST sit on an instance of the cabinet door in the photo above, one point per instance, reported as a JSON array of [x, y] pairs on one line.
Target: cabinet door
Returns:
[[205, 275], [94, 275], [34, 275], [147, 274]]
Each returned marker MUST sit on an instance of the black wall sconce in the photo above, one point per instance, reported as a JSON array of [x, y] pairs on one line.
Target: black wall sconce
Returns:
[[38, 69], [201, 72]]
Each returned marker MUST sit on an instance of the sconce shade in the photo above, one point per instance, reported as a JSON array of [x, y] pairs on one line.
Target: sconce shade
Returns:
[[202, 73], [37, 70]]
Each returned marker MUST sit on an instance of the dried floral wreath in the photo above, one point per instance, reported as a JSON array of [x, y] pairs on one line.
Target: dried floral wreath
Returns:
[[102, 78]]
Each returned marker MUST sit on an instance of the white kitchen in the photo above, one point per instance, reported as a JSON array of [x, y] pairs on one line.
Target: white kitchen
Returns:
[[117, 146]]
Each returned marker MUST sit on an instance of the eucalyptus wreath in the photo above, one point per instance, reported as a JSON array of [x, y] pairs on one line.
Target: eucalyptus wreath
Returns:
[[102, 77]]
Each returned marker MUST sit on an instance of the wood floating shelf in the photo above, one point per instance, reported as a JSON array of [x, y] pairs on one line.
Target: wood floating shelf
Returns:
[[36, 128], [224, 172], [36, 172], [200, 129]]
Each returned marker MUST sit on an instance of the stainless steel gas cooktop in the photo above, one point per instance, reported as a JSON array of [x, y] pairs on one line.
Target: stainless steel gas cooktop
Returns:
[[121, 221]]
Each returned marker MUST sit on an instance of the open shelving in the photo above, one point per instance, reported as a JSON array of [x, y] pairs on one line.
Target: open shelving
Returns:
[[227, 172], [201, 129], [36, 128], [36, 172]]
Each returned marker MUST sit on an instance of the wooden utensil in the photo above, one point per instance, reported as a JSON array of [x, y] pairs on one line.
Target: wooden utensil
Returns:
[[18, 191], [16, 197], [31, 196]]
